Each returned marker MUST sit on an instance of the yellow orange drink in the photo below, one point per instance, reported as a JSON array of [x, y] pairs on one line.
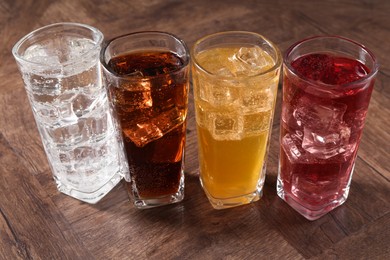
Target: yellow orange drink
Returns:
[[235, 77]]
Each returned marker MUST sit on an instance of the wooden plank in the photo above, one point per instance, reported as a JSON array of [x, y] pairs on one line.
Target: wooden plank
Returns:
[[192, 229], [9, 244], [372, 242], [33, 226]]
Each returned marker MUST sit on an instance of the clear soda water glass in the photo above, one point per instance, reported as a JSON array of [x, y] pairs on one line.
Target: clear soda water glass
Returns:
[[61, 71]]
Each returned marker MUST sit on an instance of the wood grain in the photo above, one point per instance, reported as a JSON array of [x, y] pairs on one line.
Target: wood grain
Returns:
[[37, 222]]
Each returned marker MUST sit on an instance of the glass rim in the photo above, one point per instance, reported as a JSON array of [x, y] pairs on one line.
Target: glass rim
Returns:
[[24, 39], [278, 60], [311, 82], [130, 77]]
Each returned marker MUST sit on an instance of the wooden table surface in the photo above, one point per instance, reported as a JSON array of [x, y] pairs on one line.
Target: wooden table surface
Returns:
[[37, 222]]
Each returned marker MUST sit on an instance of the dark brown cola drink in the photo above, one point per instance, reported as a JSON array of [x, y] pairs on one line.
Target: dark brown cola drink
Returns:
[[149, 95]]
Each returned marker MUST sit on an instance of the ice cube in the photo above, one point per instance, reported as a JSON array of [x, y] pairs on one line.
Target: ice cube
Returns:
[[135, 73], [203, 91], [96, 127], [235, 67], [64, 135], [168, 120], [291, 146], [156, 126], [201, 115], [224, 72], [327, 143], [66, 113], [325, 134], [41, 54], [84, 158], [45, 99], [40, 85], [256, 123], [129, 101], [319, 116], [82, 152], [83, 104], [223, 95], [227, 126], [77, 47], [254, 57], [47, 113], [143, 133], [256, 100], [249, 61], [35, 50]]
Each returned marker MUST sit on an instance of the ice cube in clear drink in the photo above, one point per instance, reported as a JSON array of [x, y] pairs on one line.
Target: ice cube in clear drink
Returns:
[[64, 135], [41, 85], [41, 54], [83, 104], [65, 109], [96, 127], [76, 47], [45, 112]]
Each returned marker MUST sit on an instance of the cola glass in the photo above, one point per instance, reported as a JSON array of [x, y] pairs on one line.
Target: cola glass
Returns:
[[60, 67], [327, 86], [147, 77]]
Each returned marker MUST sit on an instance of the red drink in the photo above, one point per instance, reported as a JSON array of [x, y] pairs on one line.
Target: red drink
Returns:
[[325, 102]]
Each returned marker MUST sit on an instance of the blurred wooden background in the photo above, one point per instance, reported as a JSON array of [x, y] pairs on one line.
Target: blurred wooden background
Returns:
[[37, 222]]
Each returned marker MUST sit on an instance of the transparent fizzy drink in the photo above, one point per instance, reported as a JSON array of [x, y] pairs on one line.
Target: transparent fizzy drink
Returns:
[[234, 104], [325, 101], [61, 71]]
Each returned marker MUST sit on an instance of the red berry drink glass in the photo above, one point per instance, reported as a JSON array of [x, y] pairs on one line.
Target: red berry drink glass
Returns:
[[327, 85]]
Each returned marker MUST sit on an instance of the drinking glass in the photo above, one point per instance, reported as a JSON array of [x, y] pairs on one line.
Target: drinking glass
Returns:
[[60, 67], [235, 79], [147, 76], [327, 85]]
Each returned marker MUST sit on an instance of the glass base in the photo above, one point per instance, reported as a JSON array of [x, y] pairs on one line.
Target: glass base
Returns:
[[93, 196], [310, 213], [224, 203], [145, 203]]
